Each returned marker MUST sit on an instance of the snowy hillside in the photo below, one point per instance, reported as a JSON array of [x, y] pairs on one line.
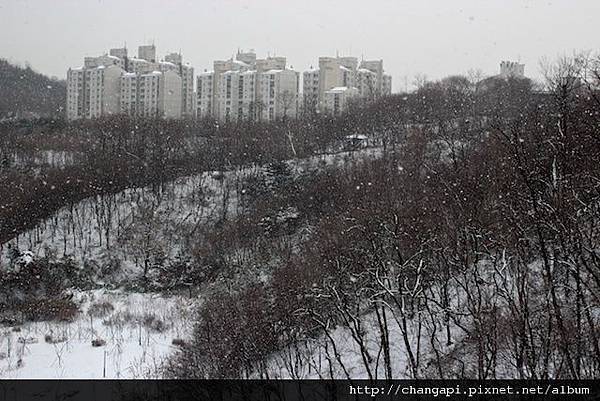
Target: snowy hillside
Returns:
[[123, 231], [113, 235]]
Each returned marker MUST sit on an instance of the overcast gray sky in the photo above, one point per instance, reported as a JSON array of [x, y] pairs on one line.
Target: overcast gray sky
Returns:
[[432, 37]]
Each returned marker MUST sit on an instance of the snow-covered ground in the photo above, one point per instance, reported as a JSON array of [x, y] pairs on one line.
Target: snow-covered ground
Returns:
[[118, 229], [138, 332], [316, 358], [121, 229]]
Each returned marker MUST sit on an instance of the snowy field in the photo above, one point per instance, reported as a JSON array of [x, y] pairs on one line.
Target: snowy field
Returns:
[[137, 330]]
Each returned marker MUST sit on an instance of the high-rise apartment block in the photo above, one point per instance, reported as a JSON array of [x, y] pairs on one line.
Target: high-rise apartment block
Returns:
[[138, 86], [242, 87], [247, 88], [512, 69], [331, 87]]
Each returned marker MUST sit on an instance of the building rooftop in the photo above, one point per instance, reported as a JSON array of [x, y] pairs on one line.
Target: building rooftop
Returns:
[[338, 89]]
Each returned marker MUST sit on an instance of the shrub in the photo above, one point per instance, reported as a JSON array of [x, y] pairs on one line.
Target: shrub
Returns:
[[100, 309]]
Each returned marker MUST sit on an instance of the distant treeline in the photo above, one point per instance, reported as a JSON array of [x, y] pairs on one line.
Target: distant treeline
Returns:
[[27, 93]]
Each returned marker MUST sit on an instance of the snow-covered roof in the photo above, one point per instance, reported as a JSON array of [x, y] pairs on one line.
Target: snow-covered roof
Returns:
[[364, 70], [344, 68], [360, 137], [205, 73], [338, 89], [167, 63], [139, 60], [130, 74], [273, 71], [153, 73]]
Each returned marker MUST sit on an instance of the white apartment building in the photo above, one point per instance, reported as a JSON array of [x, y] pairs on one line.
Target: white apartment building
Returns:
[[129, 93], [366, 83], [186, 72], [76, 93], [93, 92], [138, 86], [204, 92], [245, 87], [375, 66], [147, 52], [237, 96], [104, 90], [387, 85], [154, 94], [512, 69], [310, 89], [367, 77], [336, 100], [278, 97]]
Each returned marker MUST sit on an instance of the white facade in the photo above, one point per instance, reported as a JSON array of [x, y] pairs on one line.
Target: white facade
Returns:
[[137, 86], [366, 78], [237, 95], [366, 83], [75, 93], [336, 100], [170, 96], [310, 90], [148, 90], [248, 88], [129, 93], [512, 69], [156, 94], [204, 91], [279, 94], [186, 72], [375, 66], [93, 92], [387, 85], [147, 52]]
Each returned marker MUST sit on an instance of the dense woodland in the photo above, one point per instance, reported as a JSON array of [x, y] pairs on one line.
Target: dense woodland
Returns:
[[468, 247], [27, 93]]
